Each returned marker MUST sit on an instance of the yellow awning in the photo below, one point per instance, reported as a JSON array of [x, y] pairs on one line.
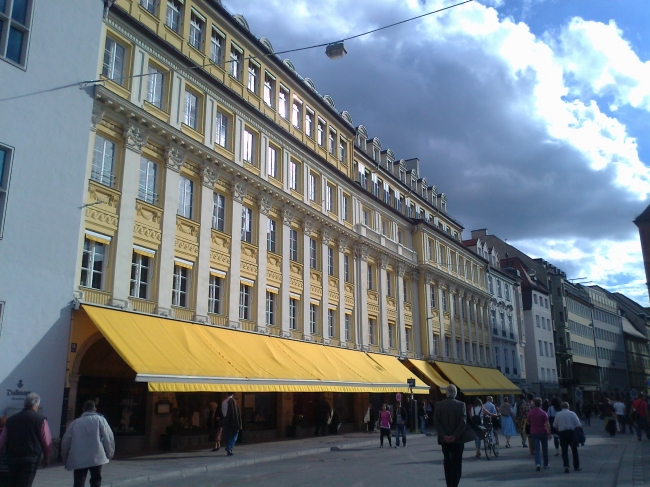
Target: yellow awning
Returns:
[[458, 376], [184, 357], [431, 375], [493, 380]]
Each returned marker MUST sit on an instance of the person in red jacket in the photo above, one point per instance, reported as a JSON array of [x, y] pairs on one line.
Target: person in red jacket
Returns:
[[639, 415]]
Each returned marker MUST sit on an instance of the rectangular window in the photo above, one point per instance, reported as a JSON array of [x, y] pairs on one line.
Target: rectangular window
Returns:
[[253, 77], [433, 296], [149, 5], [444, 301], [103, 162], [180, 286], [348, 326], [249, 147], [330, 261], [218, 212], [391, 335], [197, 29], [140, 272], [174, 12], [408, 335], [221, 130], [217, 41], [537, 320], [147, 185], [215, 289], [541, 350], [235, 62], [15, 20], [270, 308], [293, 313], [246, 224], [320, 133], [346, 267], [332, 142], [309, 123], [191, 110], [498, 288], [535, 298], [269, 89], [405, 290], [331, 322], [296, 114], [371, 277], [546, 348], [282, 102], [294, 176], [272, 162], [346, 208], [93, 264], [5, 170], [185, 195], [550, 348], [372, 330], [329, 198], [313, 187], [155, 87], [389, 284], [293, 245], [313, 318], [245, 301], [114, 61], [447, 347], [271, 235], [313, 253], [343, 151]]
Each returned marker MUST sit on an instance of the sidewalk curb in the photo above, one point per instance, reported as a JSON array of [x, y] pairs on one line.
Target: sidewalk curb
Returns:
[[190, 472], [623, 475]]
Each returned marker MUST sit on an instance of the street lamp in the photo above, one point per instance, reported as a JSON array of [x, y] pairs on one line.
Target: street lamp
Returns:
[[336, 50]]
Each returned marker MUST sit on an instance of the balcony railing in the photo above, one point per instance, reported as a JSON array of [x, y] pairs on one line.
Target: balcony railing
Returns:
[[96, 296]]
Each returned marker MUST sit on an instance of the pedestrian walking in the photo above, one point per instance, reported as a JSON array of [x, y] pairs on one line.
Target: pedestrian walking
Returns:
[[610, 418], [639, 416], [507, 420], [450, 422], [588, 409], [540, 433], [384, 426], [553, 409], [422, 416], [215, 428], [619, 411], [87, 444], [26, 438], [232, 424], [526, 407], [476, 418], [322, 416], [401, 419], [566, 422]]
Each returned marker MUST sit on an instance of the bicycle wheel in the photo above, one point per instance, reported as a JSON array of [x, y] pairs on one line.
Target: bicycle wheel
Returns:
[[487, 446], [495, 446]]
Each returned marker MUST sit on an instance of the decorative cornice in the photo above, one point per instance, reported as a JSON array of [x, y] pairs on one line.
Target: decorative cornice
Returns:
[[383, 261], [265, 205], [326, 237], [135, 138], [343, 244], [239, 192], [174, 158], [209, 177], [401, 270], [361, 252], [308, 226], [96, 117], [287, 217]]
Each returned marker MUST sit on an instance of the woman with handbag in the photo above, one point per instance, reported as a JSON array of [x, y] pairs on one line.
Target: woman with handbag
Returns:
[[476, 420], [507, 421], [540, 433]]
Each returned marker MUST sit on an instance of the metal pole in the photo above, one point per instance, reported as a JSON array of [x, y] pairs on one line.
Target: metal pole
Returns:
[[414, 412]]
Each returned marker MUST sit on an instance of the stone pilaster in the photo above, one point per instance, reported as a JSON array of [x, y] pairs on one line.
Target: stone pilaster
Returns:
[[208, 180]]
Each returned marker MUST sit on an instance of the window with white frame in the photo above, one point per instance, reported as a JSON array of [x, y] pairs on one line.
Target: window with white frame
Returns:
[[271, 235], [332, 141], [348, 326], [313, 318], [330, 192], [141, 268], [293, 245], [215, 293], [330, 261], [511, 326], [405, 290], [269, 89], [408, 334], [283, 95], [372, 331], [246, 224], [433, 295], [245, 301], [93, 264], [546, 349], [371, 277], [331, 322], [236, 56], [253, 77], [272, 162], [499, 291], [294, 175], [296, 114], [15, 24], [313, 187], [217, 42], [249, 147], [5, 170], [271, 308], [185, 197], [391, 335], [174, 14], [389, 284], [191, 110], [181, 286], [444, 300], [155, 87], [343, 151], [148, 181], [221, 130], [309, 123], [293, 313], [507, 289], [114, 61], [320, 133], [197, 29], [103, 170], [313, 254], [218, 212], [345, 214]]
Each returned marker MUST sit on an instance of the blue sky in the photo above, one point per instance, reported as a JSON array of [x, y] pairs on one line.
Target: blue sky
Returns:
[[532, 116]]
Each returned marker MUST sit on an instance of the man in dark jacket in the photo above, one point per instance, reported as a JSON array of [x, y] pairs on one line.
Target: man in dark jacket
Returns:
[[450, 421], [321, 416], [401, 420], [231, 422], [26, 437]]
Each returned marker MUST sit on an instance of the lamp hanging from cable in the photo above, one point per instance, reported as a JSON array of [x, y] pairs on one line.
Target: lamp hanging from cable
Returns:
[[336, 50]]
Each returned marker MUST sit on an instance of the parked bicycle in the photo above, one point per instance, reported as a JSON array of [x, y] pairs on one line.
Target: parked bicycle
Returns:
[[491, 440]]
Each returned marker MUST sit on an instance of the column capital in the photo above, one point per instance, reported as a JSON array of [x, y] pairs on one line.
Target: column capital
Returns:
[[239, 192], [135, 138], [401, 270], [326, 236], [265, 205], [209, 177], [343, 244], [307, 226], [383, 261], [96, 117], [361, 252], [174, 158], [287, 217], [429, 278]]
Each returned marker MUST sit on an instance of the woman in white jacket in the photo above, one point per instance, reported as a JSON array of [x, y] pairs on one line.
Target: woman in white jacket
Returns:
[[88, 444]]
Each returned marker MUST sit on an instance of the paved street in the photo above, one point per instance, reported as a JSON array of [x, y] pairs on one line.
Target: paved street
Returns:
[[621, 462]]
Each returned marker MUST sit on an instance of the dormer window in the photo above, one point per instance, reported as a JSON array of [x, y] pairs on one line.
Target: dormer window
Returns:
[[375, 154]]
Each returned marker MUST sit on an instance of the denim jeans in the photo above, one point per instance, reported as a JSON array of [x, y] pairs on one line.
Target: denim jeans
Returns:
[[540, 440], [423, 423], [231, 438], [400, 429]]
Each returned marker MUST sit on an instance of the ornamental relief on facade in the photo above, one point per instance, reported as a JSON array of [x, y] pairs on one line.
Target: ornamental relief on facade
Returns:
[[392, 314], [349, 289], [349, 301], [373, 308], [295, 268], [248, 269], [109, 197], [316, 277], [148, 234], [188, 248], [249, 252], [333, 296], [148, 214], [316, 291], [295, 283], [101, 219], [273, 276], [274, 261], [332, 282], [220, 241], [187, 228], [373, 297], [219, 260]]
